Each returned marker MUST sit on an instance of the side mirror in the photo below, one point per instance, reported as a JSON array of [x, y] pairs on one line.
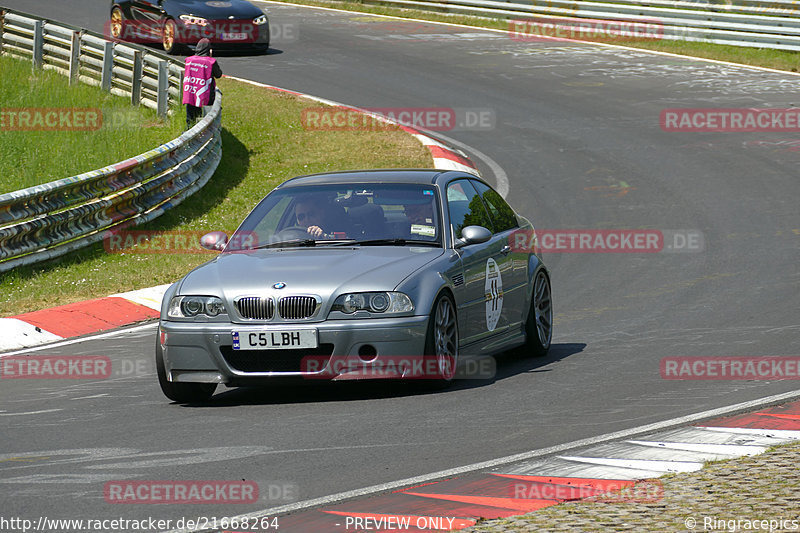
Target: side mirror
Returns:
[[216, 240], [473, 235]]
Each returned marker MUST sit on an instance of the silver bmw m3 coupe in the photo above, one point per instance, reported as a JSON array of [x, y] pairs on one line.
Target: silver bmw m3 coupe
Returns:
[[375, 274]]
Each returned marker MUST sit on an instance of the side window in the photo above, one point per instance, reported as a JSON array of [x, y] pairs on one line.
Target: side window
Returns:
[[465, 207], [500, 212]]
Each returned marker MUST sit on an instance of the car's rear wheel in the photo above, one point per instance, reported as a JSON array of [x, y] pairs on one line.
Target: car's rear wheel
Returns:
[[117, 23], [441, 342], [169, 36], [539, 326], [181, 392]]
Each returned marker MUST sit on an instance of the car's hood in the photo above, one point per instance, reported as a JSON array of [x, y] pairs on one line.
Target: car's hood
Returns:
[[217, 10], [322, 271]]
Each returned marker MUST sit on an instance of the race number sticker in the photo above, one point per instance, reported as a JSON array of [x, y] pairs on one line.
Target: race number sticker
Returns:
[[494, 294]]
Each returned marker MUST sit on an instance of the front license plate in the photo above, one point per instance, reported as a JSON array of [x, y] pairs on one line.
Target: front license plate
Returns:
[[233, 36], [275, 340]]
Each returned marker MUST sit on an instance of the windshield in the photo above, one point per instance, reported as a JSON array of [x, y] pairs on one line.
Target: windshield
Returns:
[[368, 214]]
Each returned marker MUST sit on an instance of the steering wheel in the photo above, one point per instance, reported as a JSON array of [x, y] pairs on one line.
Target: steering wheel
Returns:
[[293, 232]]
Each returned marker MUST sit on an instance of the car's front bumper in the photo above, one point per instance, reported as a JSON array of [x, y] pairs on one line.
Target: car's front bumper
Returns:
[[203, 352], [250, 36]]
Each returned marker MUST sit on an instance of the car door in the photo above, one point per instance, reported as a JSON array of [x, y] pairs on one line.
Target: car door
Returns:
[[485, 266], [515, 277], [147, 14]]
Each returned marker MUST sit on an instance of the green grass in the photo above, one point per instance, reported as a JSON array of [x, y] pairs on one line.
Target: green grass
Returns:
[[776, 59], [30, 158], [264, 144]]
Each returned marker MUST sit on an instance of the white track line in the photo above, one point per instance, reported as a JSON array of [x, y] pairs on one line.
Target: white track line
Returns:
[[83, 339]]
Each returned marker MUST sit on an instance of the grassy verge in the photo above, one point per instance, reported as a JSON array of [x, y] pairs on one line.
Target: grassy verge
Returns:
[[777, 59], [34, 157], [264, 144]]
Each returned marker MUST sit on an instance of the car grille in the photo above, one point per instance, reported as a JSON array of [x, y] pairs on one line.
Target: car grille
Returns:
[[255, 307], [295, 307], [289, 360]]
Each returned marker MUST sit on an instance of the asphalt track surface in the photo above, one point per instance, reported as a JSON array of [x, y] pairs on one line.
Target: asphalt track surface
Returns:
[[576, 131]]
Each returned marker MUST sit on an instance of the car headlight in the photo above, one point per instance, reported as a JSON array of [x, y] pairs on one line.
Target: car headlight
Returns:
[[262, 19], [374, 302], [195, 21], [192, 306]]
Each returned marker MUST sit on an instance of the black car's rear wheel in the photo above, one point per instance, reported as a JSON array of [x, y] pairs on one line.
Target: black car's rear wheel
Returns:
[[181, 392], [169, 35], [441, 342], [539, 326]]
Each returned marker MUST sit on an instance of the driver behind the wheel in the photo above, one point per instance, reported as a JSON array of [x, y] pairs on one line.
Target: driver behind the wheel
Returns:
[[320, 218], [309, 216]]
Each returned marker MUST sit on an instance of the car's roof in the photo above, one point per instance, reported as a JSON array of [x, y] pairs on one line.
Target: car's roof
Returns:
[[394, 175]]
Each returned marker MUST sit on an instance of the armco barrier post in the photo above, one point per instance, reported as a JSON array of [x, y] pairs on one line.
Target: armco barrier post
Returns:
[[2, 28], [38, 43], [74, 57], [108, 66], [136, 80], [163, 88]]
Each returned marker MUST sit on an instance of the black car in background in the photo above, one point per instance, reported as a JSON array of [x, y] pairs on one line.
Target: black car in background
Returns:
[[179, 24]]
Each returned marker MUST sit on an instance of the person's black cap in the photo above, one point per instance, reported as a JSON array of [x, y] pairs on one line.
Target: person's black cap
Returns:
[[203, 47]]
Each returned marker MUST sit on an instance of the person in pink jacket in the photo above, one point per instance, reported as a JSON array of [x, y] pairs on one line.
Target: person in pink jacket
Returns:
[[198, 81]]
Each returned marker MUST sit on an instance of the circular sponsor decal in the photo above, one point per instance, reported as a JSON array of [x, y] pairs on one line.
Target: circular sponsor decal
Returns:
[[218, 4], [494, 294]]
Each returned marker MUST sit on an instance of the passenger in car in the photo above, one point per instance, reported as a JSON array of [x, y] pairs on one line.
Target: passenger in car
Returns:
[[420, 219]]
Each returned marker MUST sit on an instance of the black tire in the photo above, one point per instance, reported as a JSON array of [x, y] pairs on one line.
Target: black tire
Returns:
[[181, 392], [441, 340], [539, 326]]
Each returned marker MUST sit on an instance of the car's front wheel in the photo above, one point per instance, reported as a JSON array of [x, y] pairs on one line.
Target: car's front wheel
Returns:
[[181, 392], [441, 342], [539, 326]]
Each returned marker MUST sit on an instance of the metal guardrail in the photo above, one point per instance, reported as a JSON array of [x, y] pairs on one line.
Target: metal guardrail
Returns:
[[49, 220], [147, 77], [771, 24]]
